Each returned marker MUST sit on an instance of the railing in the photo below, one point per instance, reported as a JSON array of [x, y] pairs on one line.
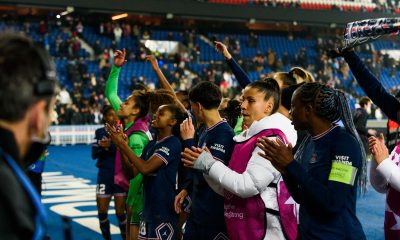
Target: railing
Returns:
[[73, 134], [84, 134]]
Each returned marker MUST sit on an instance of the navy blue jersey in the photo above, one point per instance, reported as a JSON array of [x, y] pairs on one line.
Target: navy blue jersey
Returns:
[[207, 205], [105, 157], [159, 187], [325, 186]]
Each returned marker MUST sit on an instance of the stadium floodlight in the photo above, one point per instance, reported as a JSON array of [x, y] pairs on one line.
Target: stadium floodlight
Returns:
[[119, 16], [68, 10]]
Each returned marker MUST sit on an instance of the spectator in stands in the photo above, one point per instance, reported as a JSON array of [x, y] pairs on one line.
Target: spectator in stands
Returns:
[[27, 97], [270, 55], [64, 96], [76, 47], [97, 48], [360, 119], [253, 40], [136, 31], [77, 117], [117, 33], [79, 29], [286, 59], [126, 29], [146, 35], [42, 27]]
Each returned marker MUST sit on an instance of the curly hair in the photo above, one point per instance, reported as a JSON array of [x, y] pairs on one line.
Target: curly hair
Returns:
[[147, 100]]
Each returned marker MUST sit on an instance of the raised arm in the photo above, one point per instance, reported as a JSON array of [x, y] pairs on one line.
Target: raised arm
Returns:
[[239, 73], [112, 82], [372, 87], [163, 81]]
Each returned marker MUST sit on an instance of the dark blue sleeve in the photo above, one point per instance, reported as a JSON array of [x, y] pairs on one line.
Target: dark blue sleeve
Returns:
[[221, 145], [328, 198], [372, 87], [188, 143], [240, 75], [188, 182], [293, 187], [169, 150], [96, 148]]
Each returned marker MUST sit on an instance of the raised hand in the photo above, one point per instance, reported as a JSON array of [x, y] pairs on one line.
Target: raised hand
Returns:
[[378, 148], [276, 152], [220, 47], [153, 61], [119, 57], [187, 129]]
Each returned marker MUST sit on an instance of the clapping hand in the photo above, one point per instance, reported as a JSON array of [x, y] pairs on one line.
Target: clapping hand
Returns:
[[117, 135], [378, 148]]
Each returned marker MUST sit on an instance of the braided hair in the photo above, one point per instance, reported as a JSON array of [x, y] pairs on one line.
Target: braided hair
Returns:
[[332, 105]]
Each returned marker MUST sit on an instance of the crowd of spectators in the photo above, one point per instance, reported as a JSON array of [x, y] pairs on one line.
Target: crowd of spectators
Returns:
[[83, 94], [383, 6]]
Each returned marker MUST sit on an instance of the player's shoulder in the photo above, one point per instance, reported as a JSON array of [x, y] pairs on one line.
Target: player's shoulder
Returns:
[[173, 141], [222, 129]]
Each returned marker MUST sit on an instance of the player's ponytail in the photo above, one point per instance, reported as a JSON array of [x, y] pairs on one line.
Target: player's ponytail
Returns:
[[332, 105]]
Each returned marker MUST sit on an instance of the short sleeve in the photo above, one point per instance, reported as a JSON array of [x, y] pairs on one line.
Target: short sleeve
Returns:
[[168, 150], [221, 148], [346, 160]]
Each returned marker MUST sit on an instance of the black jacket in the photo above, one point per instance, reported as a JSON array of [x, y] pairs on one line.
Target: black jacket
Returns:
[[16, 210]]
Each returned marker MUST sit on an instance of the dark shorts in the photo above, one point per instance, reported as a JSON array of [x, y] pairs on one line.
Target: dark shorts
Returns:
[[195, 231], [105, 184], [159, 231]]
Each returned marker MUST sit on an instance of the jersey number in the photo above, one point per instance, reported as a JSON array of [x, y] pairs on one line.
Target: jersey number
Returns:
[[100, 189]]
